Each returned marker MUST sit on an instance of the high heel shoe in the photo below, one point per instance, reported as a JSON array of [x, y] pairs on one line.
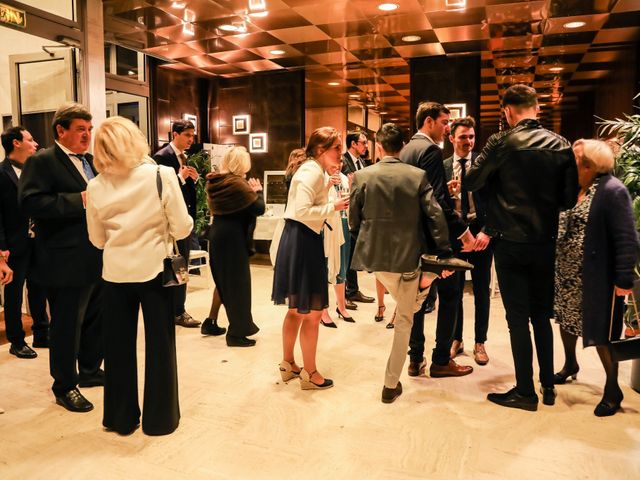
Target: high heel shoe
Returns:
[[561, 377], [346, 319], [606, 408], [391, 324], [307, 384], [380, 316], [287, 372], [328, 324]]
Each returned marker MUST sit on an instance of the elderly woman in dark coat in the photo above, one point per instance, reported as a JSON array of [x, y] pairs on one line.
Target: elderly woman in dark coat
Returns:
[[596, 253], [235, 203]]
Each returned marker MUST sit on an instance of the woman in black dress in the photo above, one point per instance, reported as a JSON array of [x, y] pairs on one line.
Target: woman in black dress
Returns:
[[300, 274], [235, 203], [596, 252]]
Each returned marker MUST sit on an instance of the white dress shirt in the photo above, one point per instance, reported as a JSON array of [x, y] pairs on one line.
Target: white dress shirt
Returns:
[[308, 200], [75, 160], [125, 219], [17, 170], [356, 161]]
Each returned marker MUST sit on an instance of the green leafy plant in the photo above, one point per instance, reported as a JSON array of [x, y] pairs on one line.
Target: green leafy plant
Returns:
[[202, 163], [627, 134]]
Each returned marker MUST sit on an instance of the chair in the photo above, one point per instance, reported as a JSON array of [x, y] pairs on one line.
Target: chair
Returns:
[[205, 269]]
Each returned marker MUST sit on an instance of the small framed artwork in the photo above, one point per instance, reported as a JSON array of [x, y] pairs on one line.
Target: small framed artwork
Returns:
[[258, 143], [241, 125], [191, 118], [458, 110]]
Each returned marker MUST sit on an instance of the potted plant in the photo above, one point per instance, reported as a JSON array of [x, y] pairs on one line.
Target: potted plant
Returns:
[[202, 163]]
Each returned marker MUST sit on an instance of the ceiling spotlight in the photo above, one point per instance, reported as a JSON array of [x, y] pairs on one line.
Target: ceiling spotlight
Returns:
[[394, 119], [371, 105], [354, 95], [411, 38], [276, 52], [556, 69], [228, 28], [574, 24], [334, 84], [388, 7], [178, 4], [383, 113], [257, 5], [259, 14]]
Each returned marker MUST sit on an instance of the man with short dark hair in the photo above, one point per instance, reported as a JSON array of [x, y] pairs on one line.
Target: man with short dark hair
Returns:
[[52, 191], [352, 162], [16, 238], [530, 174], [471, 207], [395, 218], [172, 155], [432, 120]]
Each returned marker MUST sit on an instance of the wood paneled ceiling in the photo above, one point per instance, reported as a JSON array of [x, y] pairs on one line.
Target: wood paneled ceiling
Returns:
[[353, 51]]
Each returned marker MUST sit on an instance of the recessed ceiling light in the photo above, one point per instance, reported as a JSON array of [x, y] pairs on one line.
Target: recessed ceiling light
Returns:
[[556, 69], [388, 7], [178, 5], [411, 38], [259, 14], [394, 119], [277, 52], [333, 84], [371, 105], [354, 95], [228, 28], [383, 113], [574, 24]]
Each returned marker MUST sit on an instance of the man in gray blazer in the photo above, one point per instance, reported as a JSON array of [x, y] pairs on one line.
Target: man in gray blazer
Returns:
[[395, 218]]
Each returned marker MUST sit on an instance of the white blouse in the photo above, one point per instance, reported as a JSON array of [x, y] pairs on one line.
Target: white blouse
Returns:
[[308, 201], [125, 219]]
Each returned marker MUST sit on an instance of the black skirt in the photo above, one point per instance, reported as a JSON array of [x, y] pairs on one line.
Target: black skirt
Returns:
[[300, 273]]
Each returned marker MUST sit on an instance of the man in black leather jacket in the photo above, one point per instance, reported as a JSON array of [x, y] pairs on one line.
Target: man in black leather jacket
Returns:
[[530, 175]]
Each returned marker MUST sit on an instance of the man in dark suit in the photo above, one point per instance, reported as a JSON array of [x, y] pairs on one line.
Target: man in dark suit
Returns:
[[351, 163], [432, 120], [395, 216], [52, 192], [173, 156], [471, 207], [530, 174], [16, 238]]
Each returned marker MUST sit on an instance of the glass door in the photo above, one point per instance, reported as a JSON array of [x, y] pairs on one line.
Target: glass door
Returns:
[[40, 83]]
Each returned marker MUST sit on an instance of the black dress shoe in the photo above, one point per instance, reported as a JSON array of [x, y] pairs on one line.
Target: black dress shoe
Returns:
[[240, 341], [350, 305], [513, 399], [22, 351], [41, 342], [429, 307], [360, 297], [548, 395], [563, 375], [94, 380], [124, 431], [74, 401], [608, 407], [389, 395], [210, 327]]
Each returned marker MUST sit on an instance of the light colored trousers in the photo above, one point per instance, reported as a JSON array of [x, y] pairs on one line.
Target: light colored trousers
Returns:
[[403, 288]]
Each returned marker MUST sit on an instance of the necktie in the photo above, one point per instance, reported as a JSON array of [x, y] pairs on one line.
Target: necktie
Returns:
[[85, 166], [183, 159], [464, 193]]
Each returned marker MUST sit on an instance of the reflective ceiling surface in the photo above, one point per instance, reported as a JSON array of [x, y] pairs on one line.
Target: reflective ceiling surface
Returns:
[[354, 51]]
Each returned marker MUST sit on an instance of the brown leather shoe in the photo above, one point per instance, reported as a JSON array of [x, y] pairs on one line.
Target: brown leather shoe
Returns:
[[451, 369], [360, 297], [186, 320], [350, 305], [480, 354], [417, 368], [457, 348]]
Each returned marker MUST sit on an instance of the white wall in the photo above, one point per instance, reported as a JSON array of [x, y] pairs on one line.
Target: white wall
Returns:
[[63, 8]]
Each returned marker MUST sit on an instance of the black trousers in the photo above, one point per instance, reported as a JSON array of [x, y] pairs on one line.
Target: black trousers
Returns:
[[75, 334], [36, 296], [525, 275], [481, 279], [180, 292], [448, 294], [351, 284], [161, 411]]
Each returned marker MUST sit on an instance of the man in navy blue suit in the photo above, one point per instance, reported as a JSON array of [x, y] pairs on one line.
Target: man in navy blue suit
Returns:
[[17, 238], [172, 155]]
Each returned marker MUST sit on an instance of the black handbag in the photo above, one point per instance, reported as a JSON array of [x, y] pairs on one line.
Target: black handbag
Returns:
[[174, 266], [628, 348]]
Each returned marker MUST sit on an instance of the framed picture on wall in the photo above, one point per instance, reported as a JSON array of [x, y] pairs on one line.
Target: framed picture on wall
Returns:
[[458, 110], [258, 143], [241, 124], [191, 118]]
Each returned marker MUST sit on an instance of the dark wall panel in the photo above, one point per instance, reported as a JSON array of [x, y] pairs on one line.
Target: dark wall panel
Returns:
[[446, 80]]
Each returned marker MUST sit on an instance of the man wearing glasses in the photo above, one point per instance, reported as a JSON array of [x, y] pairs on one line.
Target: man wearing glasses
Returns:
[[351, 163]]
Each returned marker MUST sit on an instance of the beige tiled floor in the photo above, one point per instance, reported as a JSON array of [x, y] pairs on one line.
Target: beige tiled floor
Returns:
[[239, 421]]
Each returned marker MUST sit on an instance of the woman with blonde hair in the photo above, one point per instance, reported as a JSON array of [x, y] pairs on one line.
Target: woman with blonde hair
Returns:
[[134, 210], [300, 274], [597, 250], [234, 203]]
